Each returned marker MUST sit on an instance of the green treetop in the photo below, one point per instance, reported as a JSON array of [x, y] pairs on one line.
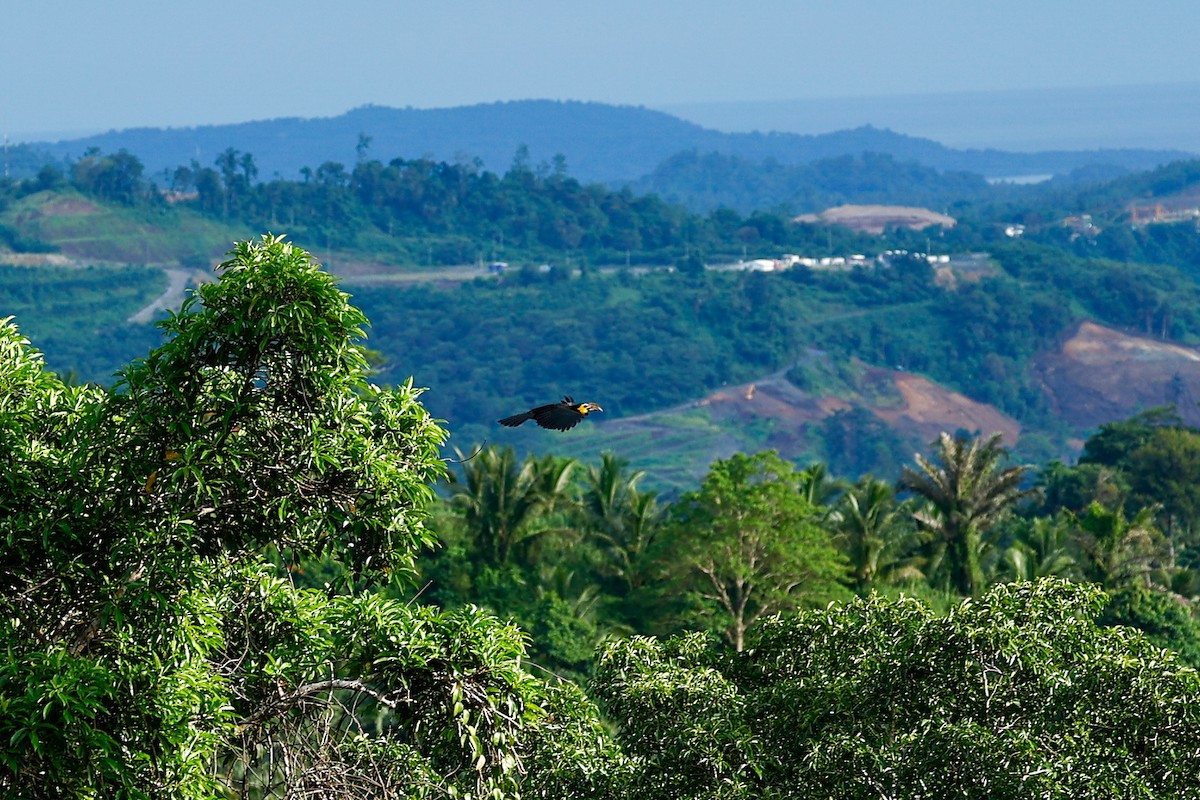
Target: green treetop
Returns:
[[151, 648]]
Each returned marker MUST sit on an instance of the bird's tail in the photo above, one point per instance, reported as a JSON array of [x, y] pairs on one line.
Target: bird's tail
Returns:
[[516, 419]]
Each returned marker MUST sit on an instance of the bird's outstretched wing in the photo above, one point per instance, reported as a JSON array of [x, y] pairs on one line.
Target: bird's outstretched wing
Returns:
[[558, 416]]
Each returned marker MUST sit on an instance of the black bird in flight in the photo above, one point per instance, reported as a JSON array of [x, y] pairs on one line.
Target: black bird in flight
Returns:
[[561, 416]]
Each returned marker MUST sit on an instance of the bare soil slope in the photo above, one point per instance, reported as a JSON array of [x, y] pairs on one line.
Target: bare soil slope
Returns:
[[875, 219], [915, 406], [774, 413], [1101, 375]]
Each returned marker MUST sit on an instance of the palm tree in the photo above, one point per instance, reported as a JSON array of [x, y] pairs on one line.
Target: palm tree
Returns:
[[1120, 551], [621, 518], [966, 493], [505, 505], [818, 487], [1042, 548], [877, 536]]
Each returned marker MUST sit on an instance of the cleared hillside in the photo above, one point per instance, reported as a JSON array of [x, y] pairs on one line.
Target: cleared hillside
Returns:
[[84, 229], [1100, 375]]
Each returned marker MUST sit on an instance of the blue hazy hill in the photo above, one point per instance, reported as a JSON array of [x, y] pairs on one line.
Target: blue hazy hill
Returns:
[[600, 142]]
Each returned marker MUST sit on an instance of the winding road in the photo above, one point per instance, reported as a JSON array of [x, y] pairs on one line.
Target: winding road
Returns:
[[177, 284]]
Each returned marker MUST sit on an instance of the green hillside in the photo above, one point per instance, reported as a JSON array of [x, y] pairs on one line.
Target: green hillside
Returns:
[[625, 298], [79, 316], [93, 229], [704, 182]]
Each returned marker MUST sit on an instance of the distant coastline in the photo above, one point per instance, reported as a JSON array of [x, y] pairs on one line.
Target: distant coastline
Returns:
[[1021, 180], [1162, 116]]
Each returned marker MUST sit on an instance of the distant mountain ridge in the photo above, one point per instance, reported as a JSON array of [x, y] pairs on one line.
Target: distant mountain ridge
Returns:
[[601, 143], [706, 182]]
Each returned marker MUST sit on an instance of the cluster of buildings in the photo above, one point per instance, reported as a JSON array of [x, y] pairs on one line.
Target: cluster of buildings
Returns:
[[1163, 212], [788, 260]]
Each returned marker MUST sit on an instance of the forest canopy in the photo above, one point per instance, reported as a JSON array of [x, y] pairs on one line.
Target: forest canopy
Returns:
[[212, 587]]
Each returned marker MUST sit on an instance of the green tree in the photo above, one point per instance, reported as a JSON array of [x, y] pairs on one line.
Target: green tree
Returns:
[[967, 492], [1165, 471], [1076, 487], [1115, 442], [747, 545], [1016, 694], [151, 648], [116, 177]]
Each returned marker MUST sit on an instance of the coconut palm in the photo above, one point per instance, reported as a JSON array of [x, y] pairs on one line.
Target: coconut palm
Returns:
[[621, 518], [877, 535], [1042, 548], [505, 505], [1120, 551], [818, 487], [966, 493]]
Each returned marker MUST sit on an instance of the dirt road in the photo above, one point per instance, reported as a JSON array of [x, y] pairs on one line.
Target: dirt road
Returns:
[[177, 283]]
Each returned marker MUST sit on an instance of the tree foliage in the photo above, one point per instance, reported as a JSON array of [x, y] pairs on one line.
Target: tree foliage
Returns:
[[1017, 694], [151, 647], [747, 544]]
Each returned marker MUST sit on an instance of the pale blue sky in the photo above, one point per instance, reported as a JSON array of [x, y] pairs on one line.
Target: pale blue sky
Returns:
[[82, 65]]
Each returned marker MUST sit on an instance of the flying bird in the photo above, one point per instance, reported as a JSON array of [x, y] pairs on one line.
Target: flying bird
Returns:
[[561, 416]]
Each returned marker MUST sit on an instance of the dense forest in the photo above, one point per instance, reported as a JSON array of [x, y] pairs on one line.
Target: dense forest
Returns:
[[713, 180], [246, 570]]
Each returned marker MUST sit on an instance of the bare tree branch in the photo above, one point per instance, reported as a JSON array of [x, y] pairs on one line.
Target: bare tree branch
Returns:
[[294, 698]]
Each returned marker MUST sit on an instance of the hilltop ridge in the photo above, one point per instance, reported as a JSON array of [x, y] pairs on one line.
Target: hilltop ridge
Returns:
[[601, 142]]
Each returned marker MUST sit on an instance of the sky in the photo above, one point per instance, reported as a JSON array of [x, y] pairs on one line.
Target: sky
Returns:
[[71, 67]]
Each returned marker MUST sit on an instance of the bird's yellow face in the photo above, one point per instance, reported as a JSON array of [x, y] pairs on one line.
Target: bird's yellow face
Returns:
[[587, 408]]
